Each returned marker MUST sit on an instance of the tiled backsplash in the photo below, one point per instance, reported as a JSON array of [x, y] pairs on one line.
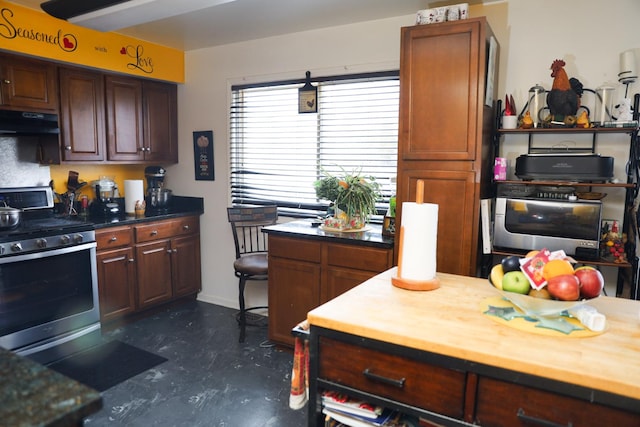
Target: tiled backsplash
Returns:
[[18, 166]]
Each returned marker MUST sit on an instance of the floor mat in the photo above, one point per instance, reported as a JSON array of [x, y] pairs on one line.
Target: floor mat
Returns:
[[103, 366]]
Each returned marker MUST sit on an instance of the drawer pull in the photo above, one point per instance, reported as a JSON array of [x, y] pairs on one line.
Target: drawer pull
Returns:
[[154, 232], [185, 227], [539, 421], [379, 378], [113, 239]]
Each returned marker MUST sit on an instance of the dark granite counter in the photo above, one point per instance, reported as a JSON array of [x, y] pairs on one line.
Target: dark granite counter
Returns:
[[179, 206], [372, 236], [33, 395]]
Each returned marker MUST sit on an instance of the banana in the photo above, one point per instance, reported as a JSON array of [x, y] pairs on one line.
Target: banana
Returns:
[[496, 275]]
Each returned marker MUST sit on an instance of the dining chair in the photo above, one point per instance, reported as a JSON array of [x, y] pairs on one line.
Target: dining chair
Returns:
[[251, 247]]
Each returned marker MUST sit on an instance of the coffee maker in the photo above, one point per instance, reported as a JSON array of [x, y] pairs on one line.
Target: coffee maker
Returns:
[[158, 197], [105, 203]]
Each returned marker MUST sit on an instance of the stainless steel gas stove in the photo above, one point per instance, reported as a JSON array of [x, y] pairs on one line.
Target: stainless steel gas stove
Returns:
[[48, 281]]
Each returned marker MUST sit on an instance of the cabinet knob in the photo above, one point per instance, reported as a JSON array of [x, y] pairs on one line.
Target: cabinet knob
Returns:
[[185, 227], [5, 81], [113, 239], [154, 232], [131, 260], [67, 147]]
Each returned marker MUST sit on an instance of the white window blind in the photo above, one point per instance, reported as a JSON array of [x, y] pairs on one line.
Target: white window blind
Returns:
[[277, 153]]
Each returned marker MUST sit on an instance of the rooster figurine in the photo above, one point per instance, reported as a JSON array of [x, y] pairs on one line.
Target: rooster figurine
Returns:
[[564, 97]]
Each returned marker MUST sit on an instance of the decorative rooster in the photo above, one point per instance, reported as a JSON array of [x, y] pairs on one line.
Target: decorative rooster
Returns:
[[564, 97]]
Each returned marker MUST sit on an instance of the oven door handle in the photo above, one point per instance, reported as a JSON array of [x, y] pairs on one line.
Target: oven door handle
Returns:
[[48, 253]]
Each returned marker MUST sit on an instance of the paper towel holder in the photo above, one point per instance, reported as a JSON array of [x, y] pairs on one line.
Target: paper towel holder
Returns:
[[412, 284]]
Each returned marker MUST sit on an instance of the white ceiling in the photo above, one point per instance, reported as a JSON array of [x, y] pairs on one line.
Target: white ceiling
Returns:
[[204, 23]]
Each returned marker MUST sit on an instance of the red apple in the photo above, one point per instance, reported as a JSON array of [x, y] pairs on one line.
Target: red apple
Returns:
[[565, 287], [591, 282]]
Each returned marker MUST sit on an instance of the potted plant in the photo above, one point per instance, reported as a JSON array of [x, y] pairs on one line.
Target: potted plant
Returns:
[[353, 198]]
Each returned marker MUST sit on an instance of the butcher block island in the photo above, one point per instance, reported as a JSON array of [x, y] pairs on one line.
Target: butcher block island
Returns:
[[436, 355]]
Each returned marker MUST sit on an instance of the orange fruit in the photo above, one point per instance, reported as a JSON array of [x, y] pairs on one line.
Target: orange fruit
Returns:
[[556, 267], [531, 254]]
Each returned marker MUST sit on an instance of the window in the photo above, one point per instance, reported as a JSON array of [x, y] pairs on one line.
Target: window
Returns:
[[277, 153]]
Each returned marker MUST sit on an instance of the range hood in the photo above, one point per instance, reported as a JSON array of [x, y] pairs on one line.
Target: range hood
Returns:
[[28, 123]]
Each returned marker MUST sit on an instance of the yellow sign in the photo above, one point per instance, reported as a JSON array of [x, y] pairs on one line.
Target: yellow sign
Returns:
[[35, 33]]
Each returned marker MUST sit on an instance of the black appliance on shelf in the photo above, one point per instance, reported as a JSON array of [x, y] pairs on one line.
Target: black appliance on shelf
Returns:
[[48, 289], [157, 197]]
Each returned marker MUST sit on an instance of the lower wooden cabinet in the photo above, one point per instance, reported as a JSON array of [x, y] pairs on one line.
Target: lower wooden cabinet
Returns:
[[305, 273], [500, 403], [443, 390], [141, 266]]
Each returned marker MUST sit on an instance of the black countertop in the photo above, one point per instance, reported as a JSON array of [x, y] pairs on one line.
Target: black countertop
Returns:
[[179, 206], [371, 236], [34, 395]]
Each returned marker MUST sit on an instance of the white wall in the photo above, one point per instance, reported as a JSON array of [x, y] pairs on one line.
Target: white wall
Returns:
[[588, 34]]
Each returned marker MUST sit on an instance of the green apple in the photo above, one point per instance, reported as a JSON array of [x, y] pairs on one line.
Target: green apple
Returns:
[[515, 281]]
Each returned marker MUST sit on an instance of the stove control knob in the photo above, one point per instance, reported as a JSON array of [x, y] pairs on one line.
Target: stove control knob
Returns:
[[16, 247], [65, 239], [41, 243], [78, 238]]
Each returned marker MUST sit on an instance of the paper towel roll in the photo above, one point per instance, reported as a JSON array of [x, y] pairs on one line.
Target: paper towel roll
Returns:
[[419, 242], [133, 191]]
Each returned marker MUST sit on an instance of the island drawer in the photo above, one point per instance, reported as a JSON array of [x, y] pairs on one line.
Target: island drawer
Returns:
[[300, 249], [424, 385], [360, 257], [113, 237], [504, 404]]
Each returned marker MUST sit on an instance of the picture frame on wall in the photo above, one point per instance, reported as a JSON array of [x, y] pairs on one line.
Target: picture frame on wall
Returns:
[[203, 155]]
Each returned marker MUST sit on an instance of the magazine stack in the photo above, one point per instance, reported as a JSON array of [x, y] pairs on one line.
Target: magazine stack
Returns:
[[342, 410]]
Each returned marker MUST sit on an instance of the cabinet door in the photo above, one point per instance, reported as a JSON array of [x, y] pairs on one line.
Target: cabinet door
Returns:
[[185, 263], [116, 283], [124, 118], [28, 84], [442, 82], [82, 114], [153, 261], [294, 289], [160, 122], [339, 280], [458, 215]]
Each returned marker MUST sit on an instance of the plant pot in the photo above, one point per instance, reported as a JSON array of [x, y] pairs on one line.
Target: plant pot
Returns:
[[341, 221]]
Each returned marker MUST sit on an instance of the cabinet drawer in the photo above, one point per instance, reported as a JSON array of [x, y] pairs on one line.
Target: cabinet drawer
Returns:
[[360, 257], [506, 404], [303, 250], [113, 237], [420, 384], [186, 225], [154, 231]]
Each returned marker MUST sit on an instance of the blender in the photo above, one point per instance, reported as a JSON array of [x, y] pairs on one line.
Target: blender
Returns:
[[158, 197], [105, 203]]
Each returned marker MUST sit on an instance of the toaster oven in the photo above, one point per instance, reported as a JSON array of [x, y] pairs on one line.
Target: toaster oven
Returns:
[[531, 224]]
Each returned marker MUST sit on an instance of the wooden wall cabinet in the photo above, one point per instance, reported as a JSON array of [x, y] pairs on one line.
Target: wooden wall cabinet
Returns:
[[144, 265], [141, 120], [28, 84], [445, 132], [82, 115], [304, 273]]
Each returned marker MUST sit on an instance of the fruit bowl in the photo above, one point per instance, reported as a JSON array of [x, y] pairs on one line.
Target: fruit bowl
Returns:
[[540, 307]]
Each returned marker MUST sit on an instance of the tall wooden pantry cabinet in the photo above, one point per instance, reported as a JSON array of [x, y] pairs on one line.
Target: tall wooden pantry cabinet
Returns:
[[445, 131]]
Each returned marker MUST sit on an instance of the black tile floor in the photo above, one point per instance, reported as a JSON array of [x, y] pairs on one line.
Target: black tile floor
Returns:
[[209, 380]]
